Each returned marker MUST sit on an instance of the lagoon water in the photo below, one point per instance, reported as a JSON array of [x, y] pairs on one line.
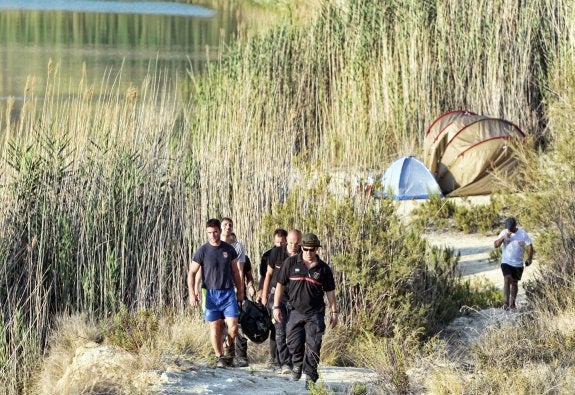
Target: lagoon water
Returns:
[[114, 7], [105, 38]]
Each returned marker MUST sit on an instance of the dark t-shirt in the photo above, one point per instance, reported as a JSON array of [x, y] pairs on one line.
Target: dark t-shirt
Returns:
[[216, 263], [275, 260], [264, 265], [247, 265], [306, 288], [247, 269]]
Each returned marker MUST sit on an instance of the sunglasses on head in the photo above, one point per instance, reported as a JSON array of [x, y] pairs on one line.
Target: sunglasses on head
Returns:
[[308, 249]]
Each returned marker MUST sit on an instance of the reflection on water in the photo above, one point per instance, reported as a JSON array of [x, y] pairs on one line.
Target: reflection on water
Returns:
[[114, 7], [106, 42]]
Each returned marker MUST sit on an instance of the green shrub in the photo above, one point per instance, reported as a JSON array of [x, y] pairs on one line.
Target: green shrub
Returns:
[[388, 278], [479, 218], [444, 213], [132, 331], [435, 212]]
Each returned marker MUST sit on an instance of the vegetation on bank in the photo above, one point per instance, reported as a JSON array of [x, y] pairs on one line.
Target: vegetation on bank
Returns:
[[105, 197]]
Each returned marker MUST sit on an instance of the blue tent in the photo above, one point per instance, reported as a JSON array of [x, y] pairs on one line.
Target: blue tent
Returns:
[[408, 178]]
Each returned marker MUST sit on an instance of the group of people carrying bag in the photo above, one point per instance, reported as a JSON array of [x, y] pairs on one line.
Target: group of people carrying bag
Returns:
[[293, 283]]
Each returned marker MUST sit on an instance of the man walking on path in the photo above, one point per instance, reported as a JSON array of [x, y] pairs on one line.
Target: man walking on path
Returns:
[[241, 345], [220, 271], [229, 237], [513, 241], [307, 278], [276, 259], [280, 236], [239, 350]]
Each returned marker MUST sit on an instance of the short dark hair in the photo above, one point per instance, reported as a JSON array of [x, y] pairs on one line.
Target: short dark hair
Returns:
[[214, 223], [280, 232], [510, 223], [227, 219]]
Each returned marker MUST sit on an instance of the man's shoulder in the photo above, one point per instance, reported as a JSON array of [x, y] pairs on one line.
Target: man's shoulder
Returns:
[[277, 252], [267, 253], [290, 260], [524, 234], [203, 247], [324, 264], [227, 246]]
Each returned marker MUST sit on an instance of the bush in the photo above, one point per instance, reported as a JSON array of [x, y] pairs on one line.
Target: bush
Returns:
[[442, 213], [388, 278], [132, 331]]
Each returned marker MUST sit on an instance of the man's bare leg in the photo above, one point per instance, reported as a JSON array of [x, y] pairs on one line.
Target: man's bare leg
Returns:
[[514, 288], [232, 325], [507, 280], [216, 337]]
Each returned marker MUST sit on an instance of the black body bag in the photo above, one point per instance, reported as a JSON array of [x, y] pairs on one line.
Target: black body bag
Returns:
[[255, 321]]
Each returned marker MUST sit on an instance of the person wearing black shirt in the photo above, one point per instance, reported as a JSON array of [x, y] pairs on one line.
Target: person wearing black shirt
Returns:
[[275, 262], [279, 236], [241, 346], [307, 279]]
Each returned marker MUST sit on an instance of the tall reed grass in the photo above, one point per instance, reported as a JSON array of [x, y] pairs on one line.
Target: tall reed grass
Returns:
[[105, 195], [534, 353]]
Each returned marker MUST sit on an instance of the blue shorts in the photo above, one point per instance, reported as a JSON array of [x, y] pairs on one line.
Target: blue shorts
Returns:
[[219, 304]]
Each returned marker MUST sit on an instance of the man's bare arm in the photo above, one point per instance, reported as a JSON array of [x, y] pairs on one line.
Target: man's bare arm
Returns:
[[194, 278], [266, 287], [237, 272], [334, 313], [251, 290], [277, 313]]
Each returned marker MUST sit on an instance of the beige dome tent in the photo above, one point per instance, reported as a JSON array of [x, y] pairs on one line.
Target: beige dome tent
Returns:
[[462, 149]]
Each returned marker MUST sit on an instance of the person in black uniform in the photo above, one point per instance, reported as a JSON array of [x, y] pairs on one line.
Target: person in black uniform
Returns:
[[276, 259], [307, 279], [280, 239], [241, 346]]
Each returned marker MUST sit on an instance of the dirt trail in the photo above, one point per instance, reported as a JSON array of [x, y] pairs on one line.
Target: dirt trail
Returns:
[[258, 379], [474, 259], [474, 262]]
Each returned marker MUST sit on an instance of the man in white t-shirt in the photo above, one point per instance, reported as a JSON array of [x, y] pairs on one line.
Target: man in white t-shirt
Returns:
[[514, 242]]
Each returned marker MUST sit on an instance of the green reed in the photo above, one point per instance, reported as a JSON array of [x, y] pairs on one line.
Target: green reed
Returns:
[[105, 195]]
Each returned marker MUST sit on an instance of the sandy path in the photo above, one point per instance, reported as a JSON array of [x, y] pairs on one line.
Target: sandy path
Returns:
[[474, 258], [257, 379], [474, 263]]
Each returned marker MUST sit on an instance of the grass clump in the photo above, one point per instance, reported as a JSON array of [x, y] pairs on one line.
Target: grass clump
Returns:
[[132, 332], [119, 355], [444, 213], [435, 213]]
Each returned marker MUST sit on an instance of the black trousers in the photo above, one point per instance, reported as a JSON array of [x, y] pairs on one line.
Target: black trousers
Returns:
[[304, 336], [241, 345], [283, 354]]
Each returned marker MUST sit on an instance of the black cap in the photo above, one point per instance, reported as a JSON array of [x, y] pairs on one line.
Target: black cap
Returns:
[[510, 224]]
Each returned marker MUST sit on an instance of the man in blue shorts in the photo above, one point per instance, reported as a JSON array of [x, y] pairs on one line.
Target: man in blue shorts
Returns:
[[513, 241], [220, 272]]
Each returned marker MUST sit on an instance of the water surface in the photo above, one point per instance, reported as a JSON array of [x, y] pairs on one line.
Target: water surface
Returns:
[[104, 37], [114, 7]]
